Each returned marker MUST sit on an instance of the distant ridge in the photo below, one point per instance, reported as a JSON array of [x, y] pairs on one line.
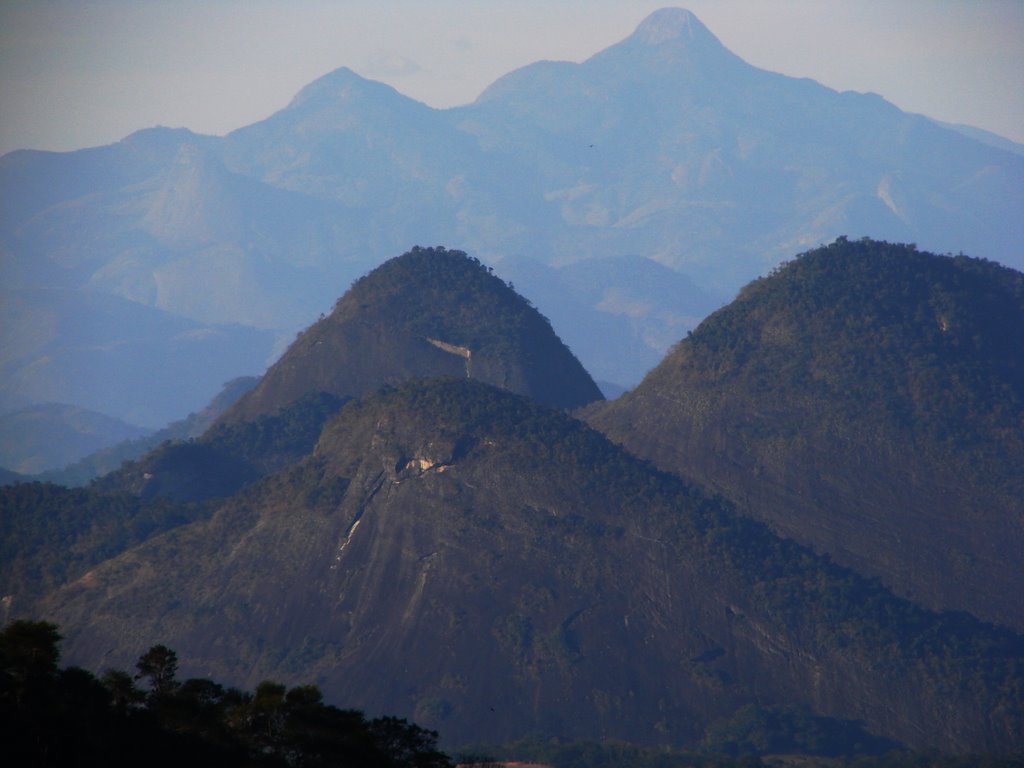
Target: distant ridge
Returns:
[[683, 33], [664, 146], [51, 436]]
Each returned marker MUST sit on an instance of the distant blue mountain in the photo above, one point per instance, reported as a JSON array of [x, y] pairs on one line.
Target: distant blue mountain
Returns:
[[664, 147], [50, 436]]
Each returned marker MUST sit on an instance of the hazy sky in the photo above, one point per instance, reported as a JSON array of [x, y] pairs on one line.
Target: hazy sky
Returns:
[[77, 73]]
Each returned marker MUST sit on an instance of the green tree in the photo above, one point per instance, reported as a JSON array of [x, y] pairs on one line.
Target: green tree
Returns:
[[29, 652], [124, 694], [266, 714], [407, 744], [158, 665]]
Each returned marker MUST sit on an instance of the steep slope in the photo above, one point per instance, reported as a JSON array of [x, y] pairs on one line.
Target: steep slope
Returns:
[[429, 312], [865, 399], [50, 535], [226, 457], [613, 313], [459, 554]]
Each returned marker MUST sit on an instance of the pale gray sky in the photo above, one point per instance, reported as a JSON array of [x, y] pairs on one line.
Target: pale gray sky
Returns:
[[77, 73]]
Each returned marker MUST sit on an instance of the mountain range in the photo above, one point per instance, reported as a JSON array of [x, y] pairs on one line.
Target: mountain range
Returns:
[[664, 147], [454, 552], [805, 515], [491, 568], [428, 313]]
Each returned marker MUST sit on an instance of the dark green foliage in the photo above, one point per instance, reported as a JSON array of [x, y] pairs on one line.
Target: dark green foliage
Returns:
[[189, 471], [790, 730], [476, 411], [28, 654], [229, 456], [406, 745], [481, 311], [50, 534], [583, 523], [124, 694], [803, 591], [893, 335], [270, 442], [862, 397], [829, 607], [159, 666], [53, 717], [429, 312]]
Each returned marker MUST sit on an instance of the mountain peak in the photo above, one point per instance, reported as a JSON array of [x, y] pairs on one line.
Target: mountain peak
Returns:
[[670, 39], [672, 24], [870, 347], [339, 79], [342, 84], [430, 312]]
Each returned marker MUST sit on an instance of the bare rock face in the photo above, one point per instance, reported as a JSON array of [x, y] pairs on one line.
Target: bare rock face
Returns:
[[430, 312], [868, 401], [458, 554]]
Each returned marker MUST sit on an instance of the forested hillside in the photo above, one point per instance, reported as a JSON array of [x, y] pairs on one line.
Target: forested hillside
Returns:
[[459, 555], [866, 399], [429, 312]]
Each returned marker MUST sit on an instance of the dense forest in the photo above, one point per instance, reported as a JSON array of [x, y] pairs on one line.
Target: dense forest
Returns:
[[862, 396], [65, 717], [50, 534], [53, 716]]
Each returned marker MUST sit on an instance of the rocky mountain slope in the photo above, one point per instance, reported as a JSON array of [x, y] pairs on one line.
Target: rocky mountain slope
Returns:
[[50, 534], [429, 312], [866, 399], [459, 554], [663, 146]]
